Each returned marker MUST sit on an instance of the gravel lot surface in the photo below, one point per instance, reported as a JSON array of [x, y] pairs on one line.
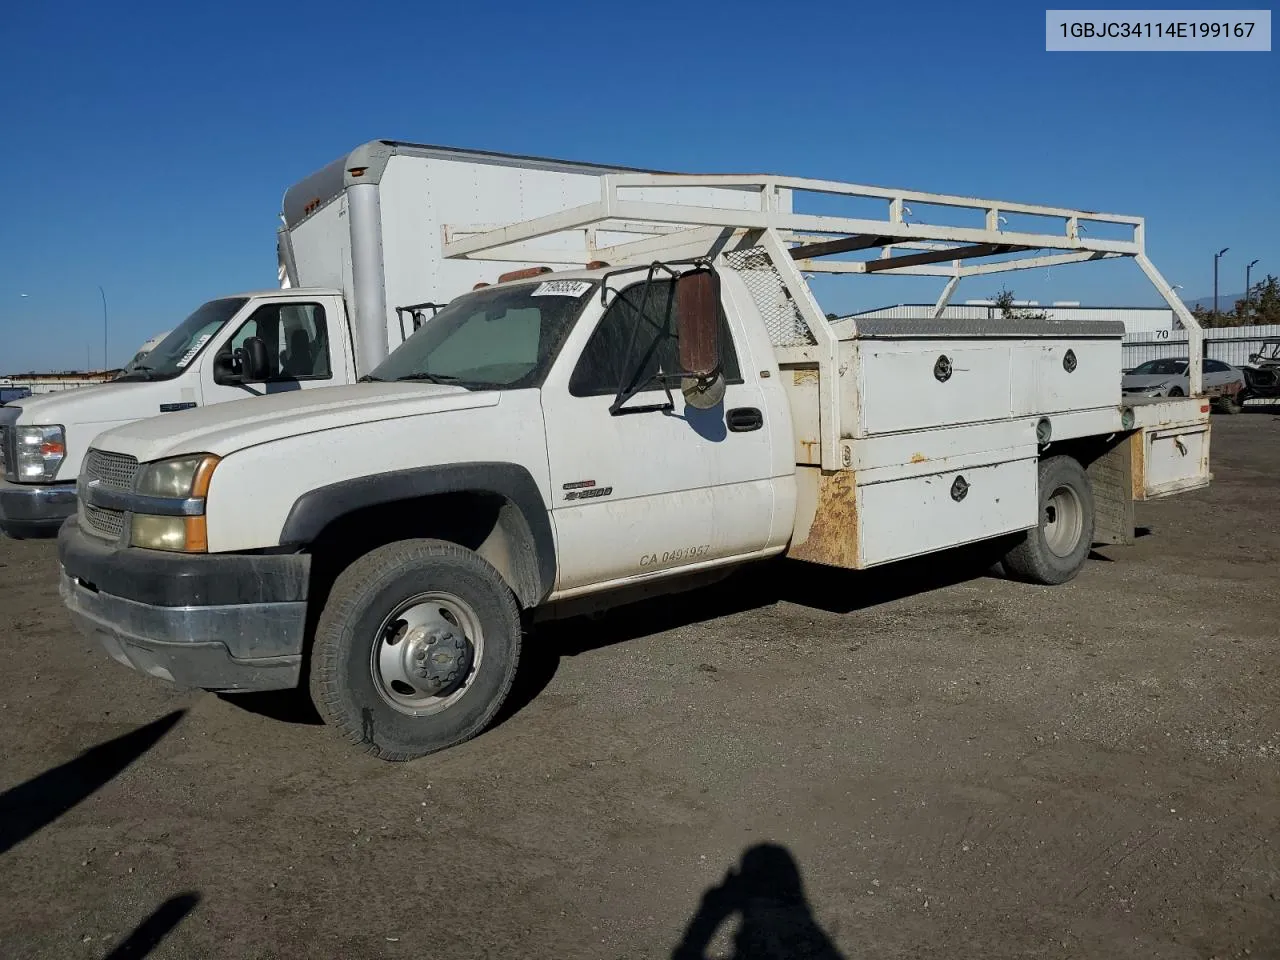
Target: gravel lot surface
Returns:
[[920, 762]]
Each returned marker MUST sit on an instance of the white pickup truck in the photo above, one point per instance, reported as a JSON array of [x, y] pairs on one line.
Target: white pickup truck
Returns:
[[359, 261], [589, 434]]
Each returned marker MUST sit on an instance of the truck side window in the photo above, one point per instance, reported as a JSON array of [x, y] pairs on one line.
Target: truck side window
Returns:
[[296, 338], [618, 348]]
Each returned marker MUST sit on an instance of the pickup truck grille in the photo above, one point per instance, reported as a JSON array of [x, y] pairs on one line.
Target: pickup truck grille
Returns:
[[115, 470], [4, 451], [102, 522]]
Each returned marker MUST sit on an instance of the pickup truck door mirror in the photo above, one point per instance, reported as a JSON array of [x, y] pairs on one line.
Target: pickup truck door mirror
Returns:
[[225, 369], [252, 357], [697, 309], [697, 305], [246, 364]]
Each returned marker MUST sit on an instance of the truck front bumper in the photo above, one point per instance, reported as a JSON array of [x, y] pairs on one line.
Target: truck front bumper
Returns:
[[35, 509], [229, 622]]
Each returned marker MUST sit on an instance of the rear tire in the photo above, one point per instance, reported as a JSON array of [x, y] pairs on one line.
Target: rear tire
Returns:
[[1231, 404], [1055, 551], [404, 607]]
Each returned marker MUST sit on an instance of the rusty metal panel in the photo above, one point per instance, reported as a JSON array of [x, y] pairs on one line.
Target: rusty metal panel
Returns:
[[832, 538]]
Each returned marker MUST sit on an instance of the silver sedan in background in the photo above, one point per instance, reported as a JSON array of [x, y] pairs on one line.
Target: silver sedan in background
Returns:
[[1168, 377]]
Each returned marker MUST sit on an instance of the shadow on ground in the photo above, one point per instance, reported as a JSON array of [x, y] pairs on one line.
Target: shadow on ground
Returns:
[[30, 806], [759, 585], [286, 706], [148, 934], [775, 922]]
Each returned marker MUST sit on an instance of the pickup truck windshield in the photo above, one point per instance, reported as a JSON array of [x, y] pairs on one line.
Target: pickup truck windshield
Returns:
[[504, 338], [175, 352]]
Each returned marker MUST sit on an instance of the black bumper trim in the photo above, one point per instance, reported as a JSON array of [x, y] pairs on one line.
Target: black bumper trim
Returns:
[[166, 579], [34, 509]]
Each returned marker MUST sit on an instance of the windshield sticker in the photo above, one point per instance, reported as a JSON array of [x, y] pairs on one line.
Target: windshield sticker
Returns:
[[195, 348], [562, 288]]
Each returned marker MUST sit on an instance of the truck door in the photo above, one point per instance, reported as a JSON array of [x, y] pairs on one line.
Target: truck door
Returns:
[[297, 335], [645, 490]]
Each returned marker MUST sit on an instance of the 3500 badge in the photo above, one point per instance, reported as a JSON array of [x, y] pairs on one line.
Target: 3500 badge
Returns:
[[679, 555]]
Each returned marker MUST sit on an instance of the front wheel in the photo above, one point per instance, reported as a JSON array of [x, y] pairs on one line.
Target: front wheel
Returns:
[[1054, 551], [1176, 392], [415, 650]]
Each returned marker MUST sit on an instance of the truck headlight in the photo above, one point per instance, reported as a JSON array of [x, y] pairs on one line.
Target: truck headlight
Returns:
[[162, 533], [176, 478], [39, 452], [181, 480]]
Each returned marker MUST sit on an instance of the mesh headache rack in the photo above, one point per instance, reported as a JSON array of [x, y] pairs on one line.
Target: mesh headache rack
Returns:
[[771, 247]]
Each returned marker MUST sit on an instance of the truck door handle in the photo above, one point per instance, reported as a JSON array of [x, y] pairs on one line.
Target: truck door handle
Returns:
[[743, 419]]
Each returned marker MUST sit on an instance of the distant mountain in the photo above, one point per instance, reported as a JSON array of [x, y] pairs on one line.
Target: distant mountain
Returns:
[[1226, 302]]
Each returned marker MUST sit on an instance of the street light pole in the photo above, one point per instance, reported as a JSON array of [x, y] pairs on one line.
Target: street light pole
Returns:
[[104, 312], [1248, 290], [1216, 257]]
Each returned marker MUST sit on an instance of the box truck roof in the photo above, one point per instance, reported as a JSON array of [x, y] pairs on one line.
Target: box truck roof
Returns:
[[287, 291], [371, 158]]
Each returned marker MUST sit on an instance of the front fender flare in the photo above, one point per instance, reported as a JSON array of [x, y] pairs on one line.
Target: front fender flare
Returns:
[[316, 509]]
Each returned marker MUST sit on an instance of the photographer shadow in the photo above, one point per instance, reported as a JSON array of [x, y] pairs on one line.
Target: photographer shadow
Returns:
[[776, 922]]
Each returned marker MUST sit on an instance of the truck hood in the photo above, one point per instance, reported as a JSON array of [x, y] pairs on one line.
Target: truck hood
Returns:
[[104, 403], [224, 428]]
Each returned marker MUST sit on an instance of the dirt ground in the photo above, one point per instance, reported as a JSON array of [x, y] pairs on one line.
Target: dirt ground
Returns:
[[921, 762]]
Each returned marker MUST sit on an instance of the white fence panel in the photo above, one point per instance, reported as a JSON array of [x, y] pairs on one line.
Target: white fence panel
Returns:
[[1229, 344]]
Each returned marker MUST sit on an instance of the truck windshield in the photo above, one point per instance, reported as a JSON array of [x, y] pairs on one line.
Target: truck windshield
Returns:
[[504, 338], [175, 352]]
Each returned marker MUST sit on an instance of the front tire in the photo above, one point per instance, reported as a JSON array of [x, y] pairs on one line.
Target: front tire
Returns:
[[415, 650], [1055, 551]]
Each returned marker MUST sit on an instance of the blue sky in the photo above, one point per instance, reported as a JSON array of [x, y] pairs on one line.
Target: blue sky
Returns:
[[148, 145]]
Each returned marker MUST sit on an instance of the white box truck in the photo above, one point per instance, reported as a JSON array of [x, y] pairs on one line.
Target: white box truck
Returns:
[[359, 267], [586, 436]]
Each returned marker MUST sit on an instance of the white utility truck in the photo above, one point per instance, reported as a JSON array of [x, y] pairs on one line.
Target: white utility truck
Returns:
[[585, 436], [360, 267]]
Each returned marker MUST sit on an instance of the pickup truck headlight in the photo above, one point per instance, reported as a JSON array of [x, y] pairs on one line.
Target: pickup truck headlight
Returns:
[[39, 452], [163, 533], [184, 483], [175, 478]]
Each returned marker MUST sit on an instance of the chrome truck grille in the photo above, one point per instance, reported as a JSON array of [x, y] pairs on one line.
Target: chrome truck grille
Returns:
[[112, 469], [4, 450], [105, 523], [115, 470]]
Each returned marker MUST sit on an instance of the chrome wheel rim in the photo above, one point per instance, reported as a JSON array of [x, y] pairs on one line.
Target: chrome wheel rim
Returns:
[[424, 634], [1063, 522]]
